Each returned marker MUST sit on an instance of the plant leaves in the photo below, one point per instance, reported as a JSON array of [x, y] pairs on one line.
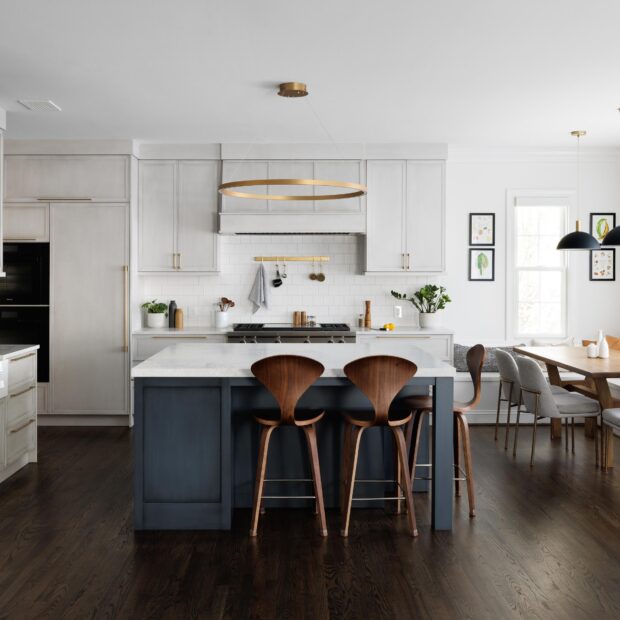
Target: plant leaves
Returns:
[[482, 262]]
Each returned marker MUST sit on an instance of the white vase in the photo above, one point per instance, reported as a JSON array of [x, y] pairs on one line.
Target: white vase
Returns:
[[156, 320], [429, 320], [603, 348], [221, 319]]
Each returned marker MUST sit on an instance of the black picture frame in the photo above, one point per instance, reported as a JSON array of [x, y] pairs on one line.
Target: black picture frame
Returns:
[[595, 215], [491, 251], [613, 263], [471, 241]]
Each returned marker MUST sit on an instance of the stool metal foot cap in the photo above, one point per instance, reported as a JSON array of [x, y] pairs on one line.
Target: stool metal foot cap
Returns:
[[472, 513], [344, 533], [253, 533], [323, 532]]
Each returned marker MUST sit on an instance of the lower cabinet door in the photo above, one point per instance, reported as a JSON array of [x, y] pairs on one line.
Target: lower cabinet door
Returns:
[[89, 366], [20, 438]]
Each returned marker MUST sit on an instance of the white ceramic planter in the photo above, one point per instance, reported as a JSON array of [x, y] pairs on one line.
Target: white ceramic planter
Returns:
[[156, 320], [430, 319], [221, 319]]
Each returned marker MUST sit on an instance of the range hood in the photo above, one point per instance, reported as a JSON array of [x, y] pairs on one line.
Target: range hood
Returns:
[[314, 222]]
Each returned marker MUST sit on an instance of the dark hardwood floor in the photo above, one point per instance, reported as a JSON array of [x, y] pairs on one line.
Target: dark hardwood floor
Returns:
[[545, 544]]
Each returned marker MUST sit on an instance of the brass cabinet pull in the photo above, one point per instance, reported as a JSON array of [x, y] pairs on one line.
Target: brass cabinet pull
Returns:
[[23, 426], [171, 337], [408, 261], [408, 337], [126, 308], [178, 260], [28, 389], [57, 199], [402, 261], [22, 357]]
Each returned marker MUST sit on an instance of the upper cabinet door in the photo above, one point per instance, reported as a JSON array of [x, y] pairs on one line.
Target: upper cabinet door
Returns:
[[197, 215], [26, 222], [156, 213], [98, 178], [385, 236], [291, 170], [242, 171], [425, 223], [343, 170]]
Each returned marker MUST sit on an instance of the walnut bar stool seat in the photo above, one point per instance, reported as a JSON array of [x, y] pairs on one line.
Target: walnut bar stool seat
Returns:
[[543, 402], [380, 378], [423, 405], [287, 377]]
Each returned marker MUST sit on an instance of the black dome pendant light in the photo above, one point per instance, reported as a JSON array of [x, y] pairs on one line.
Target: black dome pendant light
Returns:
[[578, 239], [612, 237]]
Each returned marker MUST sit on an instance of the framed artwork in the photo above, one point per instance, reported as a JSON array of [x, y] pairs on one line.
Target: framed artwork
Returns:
[[482, 229], [601, 224], [482, 264], [603, 265]]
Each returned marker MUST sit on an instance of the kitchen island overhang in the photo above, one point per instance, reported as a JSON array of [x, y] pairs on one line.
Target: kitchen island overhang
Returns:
[[196, 442]]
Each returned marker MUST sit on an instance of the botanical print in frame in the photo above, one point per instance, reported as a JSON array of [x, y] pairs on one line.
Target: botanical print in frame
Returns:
[[482, 264], [601, 224], [482, 229], [603, 265]]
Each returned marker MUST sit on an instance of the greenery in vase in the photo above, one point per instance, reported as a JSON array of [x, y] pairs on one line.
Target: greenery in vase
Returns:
[[155, 307], [428, 299]]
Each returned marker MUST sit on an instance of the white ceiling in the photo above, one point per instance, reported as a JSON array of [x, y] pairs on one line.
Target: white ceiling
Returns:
[[474, 72]]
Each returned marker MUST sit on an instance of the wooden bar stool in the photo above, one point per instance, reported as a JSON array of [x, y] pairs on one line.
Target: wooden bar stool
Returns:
[[422, 405], [380, 378], [287, 377]]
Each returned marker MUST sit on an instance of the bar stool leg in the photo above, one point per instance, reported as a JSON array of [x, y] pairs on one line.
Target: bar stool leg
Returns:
[[398, 477], [402, 454], [356, 436], [469, 469], [260, 476], [346, 453], [316, 476], [457, 457], [418, 418]]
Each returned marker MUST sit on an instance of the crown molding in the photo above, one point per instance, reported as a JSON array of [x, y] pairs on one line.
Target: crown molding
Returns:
[[156, 150], [500, 155], [68, 147]]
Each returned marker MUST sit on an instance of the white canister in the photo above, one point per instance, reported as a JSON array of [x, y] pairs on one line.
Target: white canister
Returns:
[[156, 320], [430, 319], [221, 319], [603, 349], [592, 350]]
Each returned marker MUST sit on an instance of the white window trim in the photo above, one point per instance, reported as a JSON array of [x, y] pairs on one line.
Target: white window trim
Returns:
[[565, 198]]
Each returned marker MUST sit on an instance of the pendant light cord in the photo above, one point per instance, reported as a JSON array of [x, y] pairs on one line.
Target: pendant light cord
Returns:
[[578, 178]]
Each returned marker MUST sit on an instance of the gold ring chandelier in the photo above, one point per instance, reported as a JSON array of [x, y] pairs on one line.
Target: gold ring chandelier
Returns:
[[292, 89], [228, 189]]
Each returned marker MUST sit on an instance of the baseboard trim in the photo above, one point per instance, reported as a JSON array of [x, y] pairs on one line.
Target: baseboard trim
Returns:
[[82, 420]]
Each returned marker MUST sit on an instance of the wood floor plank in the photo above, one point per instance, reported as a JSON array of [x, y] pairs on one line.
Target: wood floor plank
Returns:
[[545, 544]]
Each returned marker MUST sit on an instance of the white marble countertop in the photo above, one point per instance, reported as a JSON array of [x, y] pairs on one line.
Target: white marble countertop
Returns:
[[186, 331], [7, 351], [404, 330], [234, 360]]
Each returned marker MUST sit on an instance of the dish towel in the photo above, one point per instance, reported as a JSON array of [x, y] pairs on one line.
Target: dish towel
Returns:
[[259, 295]]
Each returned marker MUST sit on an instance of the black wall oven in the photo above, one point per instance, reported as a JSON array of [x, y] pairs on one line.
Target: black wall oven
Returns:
[[23, 325], [25, 298], [27, 267]]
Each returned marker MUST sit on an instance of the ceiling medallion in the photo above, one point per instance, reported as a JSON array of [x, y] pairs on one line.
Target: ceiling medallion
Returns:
[[293, 89]]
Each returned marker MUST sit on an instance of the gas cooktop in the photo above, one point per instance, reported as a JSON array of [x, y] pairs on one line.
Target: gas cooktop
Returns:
[[266, 327]]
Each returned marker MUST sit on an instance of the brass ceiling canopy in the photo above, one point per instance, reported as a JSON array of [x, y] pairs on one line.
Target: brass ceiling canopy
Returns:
[[350, 190], [293, 89]]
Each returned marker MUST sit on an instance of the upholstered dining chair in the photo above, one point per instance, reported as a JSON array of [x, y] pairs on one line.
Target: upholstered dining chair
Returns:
[[423, 405], [610, 422], [509, 386], [542, 401]]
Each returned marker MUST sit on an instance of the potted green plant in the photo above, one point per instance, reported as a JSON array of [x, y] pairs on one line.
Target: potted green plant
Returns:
[[427, 300], [156, 313]]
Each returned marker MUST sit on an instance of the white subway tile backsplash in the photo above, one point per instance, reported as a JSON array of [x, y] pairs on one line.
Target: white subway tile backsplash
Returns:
[[339, 298]]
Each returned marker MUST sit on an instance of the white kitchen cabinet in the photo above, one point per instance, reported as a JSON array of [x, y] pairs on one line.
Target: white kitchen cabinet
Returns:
[[98, 178], [178, 216], [26, 222], [89, 316], [405, 231], [437, 342], [145, 346]]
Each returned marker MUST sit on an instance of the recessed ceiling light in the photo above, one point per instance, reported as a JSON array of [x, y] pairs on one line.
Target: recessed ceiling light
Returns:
[[39, 105]]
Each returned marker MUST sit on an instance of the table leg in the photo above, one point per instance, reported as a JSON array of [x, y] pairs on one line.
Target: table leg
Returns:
[[590, 423], [556, 423], [443, 467], [606, 402]]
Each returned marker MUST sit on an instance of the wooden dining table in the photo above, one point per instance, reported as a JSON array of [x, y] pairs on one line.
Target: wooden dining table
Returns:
[[596, 372]]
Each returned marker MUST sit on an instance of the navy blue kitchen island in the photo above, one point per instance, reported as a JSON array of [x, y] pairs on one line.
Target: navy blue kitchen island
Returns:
[[196, 443]]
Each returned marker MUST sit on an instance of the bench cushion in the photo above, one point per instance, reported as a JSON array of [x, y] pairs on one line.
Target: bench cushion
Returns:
[[490, 363], [612, 417]]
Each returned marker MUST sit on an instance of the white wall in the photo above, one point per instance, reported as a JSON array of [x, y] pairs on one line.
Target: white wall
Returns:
[[476, 182]]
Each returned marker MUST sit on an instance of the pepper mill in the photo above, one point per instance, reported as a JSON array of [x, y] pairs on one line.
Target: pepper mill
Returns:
[[367, 316], [172, 308], [178, 318]]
